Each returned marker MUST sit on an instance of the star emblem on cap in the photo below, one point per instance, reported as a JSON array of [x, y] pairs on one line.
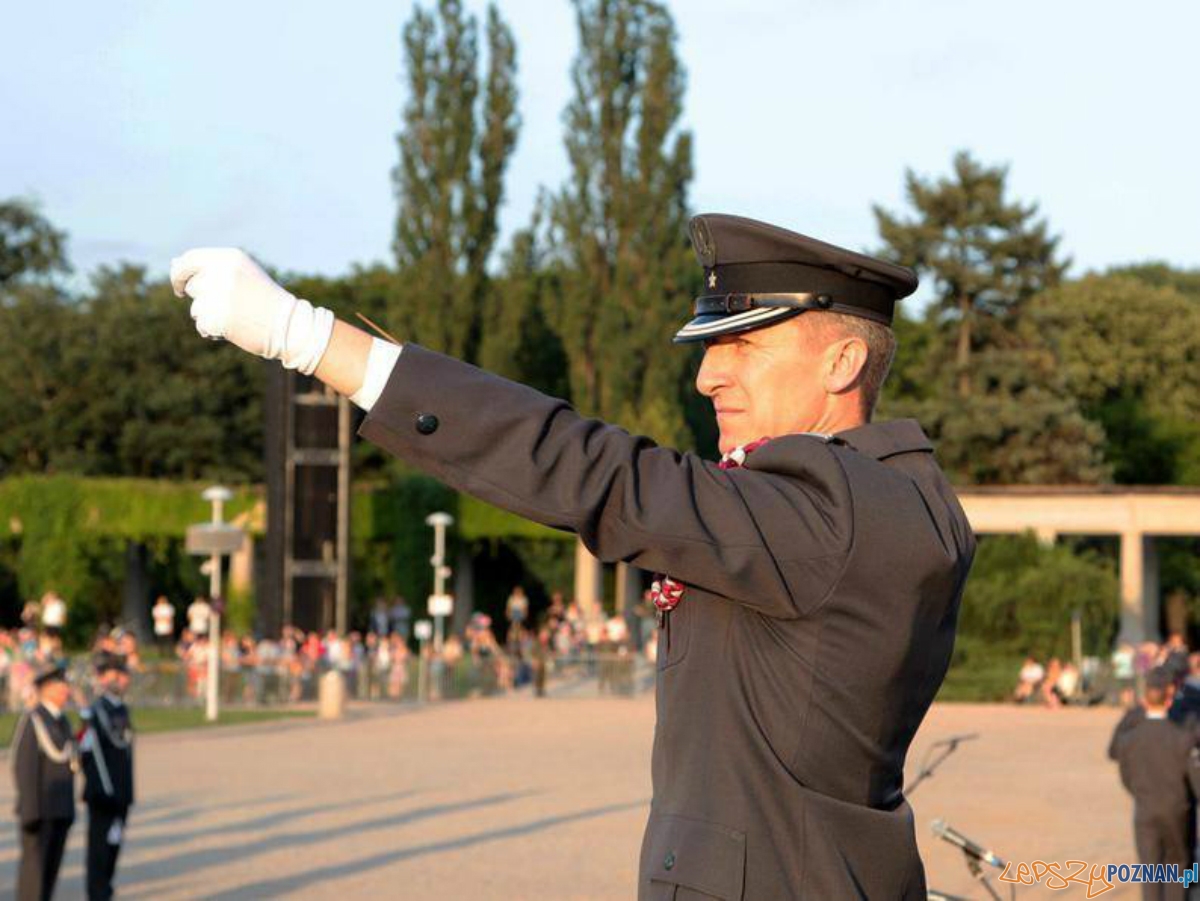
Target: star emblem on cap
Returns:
[[712, 278]]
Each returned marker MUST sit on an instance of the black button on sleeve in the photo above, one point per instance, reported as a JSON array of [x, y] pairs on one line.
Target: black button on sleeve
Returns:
[[427, 423]]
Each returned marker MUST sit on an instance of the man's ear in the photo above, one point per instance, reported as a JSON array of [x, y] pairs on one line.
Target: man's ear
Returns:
[[845, 364]]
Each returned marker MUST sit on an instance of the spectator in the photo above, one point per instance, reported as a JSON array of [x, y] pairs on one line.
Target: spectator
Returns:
[[1049, 687], [199, 612], [163, 614], [556, 611], [31, 614], [516, 608], [398, 671], [54, 614], [452, 651], [268, 667], [1124, 676], [542, 652], [126, 645], [1068, 687], [380, 621], [1173, 657], [401, 617], [1186, 708], [1157, 767]]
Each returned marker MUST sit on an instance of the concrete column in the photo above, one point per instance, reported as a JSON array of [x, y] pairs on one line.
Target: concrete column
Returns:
[[589, 582], [241, 568], [1151, 589], [1139, 588], [629, 587], [135, 609], [464, 589], [1046, 536]]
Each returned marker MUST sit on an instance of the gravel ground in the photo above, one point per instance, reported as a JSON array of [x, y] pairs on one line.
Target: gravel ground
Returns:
[[522, 799]]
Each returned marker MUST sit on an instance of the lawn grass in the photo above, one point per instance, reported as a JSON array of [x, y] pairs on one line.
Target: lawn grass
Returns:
[[169, 719]]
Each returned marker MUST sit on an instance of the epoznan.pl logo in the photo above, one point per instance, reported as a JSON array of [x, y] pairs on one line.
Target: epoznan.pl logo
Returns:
[[1097, 878]]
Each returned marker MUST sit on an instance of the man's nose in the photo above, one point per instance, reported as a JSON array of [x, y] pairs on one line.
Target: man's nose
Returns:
[[711, 376]]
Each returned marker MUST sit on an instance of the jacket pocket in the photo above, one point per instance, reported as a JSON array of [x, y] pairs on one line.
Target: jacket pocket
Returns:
[[674, 635], [683, 858]]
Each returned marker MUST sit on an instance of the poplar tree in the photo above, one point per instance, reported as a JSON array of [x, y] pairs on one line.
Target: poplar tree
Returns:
[[459, 130], [618, 227]]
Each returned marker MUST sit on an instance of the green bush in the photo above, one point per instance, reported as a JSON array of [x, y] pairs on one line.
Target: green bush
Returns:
[[1022, 593], [1019, 600]]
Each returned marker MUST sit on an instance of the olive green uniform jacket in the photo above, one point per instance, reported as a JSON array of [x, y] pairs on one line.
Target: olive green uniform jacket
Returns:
[[822, 588]]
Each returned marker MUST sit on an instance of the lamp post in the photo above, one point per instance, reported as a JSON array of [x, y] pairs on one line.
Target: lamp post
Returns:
[[217, 495], [440, 603]]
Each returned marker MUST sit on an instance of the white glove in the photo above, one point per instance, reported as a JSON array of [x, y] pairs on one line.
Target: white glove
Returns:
[[232, 298]]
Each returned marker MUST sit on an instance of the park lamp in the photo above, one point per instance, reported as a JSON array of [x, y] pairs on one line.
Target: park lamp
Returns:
[[217, 495]]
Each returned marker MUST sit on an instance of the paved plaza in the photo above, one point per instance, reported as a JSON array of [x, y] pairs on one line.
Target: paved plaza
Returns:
[[516, 798]]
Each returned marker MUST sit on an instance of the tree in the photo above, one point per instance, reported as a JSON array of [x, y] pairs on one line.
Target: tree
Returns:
[[1023, 427], [42, 398], [517, 340], [1022, 595], [1129, 350], [454, 149], [618, 226], [987, 255], [1160, 275], [29, 244], [115, 383], [163, 404]]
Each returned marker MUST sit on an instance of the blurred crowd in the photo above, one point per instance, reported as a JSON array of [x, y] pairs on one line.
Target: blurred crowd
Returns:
[[380, 662], [1059, 683]]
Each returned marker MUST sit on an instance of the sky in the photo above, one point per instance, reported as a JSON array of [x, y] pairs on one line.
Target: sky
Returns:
[[143, 128]]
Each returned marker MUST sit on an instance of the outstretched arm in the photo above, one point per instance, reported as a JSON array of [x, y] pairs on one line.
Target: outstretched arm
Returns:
[[776, 545]]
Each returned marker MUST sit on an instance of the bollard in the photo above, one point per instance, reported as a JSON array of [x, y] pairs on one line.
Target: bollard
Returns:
[[331, 696]]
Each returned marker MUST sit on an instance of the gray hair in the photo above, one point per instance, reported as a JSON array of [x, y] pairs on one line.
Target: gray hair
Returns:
[[881, 350]]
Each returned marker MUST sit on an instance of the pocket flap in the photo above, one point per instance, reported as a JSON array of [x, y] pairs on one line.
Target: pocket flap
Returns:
[[704, 856]]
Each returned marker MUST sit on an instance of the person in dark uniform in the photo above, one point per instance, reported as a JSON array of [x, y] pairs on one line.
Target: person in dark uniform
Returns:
[[107, 753], [809, 582], [1158, 765], [44, 763]]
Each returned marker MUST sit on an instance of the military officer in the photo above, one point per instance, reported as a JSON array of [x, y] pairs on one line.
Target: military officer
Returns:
[[810, 581], [107, 753], [1158, 766], [44, 764]]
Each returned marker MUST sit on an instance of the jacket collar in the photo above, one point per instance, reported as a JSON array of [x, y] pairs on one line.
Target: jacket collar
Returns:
[[878, 441], [887, 439]]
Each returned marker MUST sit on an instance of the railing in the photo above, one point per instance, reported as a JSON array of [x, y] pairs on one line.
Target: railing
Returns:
[[176, 684]]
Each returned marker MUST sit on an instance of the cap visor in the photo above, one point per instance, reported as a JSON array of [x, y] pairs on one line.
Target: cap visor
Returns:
[[702, 328]]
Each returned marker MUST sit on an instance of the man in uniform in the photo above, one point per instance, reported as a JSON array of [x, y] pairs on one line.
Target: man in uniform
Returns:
[[44, 764], [1158, 766], [810, 583], [107, 753]]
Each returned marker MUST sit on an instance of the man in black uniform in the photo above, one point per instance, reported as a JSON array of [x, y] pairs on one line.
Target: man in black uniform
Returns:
[[1158, 767], [812, 580], [44, 763], [107, 752]]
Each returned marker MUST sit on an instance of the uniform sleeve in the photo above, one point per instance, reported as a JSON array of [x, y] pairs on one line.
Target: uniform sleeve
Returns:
[[26, 772], [1192, 768], [776, 544], [1131, 718]]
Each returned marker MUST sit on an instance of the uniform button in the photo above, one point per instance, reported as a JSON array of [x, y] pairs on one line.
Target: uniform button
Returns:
[[427, 423], [669, 860]]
